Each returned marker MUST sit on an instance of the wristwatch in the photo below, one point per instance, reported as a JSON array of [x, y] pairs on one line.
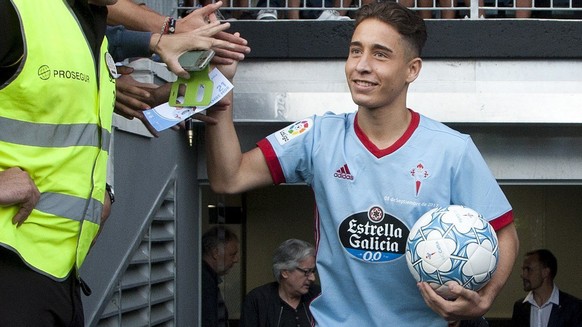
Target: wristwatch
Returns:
[[109, 190]]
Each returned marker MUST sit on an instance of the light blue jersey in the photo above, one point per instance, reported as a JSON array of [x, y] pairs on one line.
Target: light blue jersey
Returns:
[[368, 199]]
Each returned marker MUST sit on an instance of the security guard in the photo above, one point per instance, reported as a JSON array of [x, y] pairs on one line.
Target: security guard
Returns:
[[57, 93]]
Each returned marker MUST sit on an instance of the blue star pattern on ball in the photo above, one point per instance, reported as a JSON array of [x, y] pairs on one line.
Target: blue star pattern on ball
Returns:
[[452, 245]]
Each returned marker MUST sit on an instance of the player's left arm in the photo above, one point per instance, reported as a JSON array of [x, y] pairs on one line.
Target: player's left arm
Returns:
[[470, 304]]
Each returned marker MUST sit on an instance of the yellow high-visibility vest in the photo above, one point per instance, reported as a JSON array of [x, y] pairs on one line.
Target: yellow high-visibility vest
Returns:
[[55, 123]]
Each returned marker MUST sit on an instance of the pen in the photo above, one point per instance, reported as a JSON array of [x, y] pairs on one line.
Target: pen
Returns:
[[189, 122]]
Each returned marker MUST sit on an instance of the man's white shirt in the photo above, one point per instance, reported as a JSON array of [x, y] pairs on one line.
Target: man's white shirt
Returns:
[[540, 315]]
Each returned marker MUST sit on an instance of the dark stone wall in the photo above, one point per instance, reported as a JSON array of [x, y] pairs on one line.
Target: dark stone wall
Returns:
[[448, 39]]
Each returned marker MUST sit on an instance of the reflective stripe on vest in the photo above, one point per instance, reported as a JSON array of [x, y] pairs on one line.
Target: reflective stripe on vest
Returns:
[[55, 123], [25, 133], [70, 207]]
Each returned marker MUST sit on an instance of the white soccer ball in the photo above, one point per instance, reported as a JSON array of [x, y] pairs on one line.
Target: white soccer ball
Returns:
[[452, 245]]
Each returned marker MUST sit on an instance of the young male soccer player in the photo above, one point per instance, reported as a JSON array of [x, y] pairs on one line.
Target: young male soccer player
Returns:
[[374, 173]]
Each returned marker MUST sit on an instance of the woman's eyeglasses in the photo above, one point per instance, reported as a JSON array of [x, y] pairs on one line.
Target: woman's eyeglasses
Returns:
[[307, 272]]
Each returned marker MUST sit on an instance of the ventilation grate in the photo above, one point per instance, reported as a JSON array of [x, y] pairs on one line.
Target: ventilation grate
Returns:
[[145, 294]]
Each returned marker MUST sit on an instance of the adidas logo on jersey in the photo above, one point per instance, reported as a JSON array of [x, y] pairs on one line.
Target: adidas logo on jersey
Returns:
[[343, 173]]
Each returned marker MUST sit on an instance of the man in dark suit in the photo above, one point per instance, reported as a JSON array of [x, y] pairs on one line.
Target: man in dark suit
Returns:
[[220, 248], [545, 305]]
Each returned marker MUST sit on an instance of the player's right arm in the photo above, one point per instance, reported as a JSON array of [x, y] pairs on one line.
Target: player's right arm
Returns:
[[229, 170]]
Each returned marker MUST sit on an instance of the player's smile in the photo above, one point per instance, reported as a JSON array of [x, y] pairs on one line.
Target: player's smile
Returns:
[[363, 85]]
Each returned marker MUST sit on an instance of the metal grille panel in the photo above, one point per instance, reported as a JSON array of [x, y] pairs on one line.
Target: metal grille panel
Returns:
[[145, 293]]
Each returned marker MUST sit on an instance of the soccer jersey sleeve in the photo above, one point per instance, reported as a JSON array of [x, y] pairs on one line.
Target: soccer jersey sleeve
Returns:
[[475, 186], [288, 152]]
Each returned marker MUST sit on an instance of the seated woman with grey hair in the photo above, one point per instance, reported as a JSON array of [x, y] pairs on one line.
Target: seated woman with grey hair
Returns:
[[284, 302]]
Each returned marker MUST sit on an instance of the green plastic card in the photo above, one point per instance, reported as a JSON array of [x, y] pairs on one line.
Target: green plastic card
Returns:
[[197, 90]]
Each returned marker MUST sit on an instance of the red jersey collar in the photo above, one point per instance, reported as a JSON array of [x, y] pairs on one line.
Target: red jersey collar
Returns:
[[415, 120]]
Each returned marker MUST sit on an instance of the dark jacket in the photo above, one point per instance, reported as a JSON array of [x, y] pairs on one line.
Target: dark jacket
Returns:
[[214, 311], [567, 314], [263, 307]]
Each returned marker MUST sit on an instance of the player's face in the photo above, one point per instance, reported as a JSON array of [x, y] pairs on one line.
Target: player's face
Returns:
[[532, 273], [296, 282], [379, 66]]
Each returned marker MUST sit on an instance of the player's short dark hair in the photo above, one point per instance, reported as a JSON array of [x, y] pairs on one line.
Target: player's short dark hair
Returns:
[[547, 259], [215, 236], [407, 22]]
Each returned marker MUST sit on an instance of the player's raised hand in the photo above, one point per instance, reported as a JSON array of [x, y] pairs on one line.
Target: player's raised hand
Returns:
[[223, 105], [229, 70]]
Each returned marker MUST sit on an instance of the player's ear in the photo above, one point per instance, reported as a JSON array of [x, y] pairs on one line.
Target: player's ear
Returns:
[[414, 67]]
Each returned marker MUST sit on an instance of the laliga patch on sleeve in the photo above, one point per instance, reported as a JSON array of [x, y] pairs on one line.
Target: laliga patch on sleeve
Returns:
[[294, 130]]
